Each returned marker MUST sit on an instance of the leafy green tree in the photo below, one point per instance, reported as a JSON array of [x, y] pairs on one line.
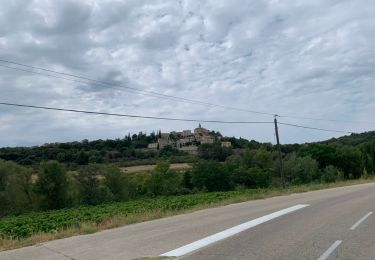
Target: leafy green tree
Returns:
[[92, 191], [52, 185], [168, 151], [186, 180], [254, 177], [233, 162], [261, 178], [241, 177], [117, 183], [329, 174], [324, 154], [16, 194], [210, 176], [163, 181], [368, 157], [299, 170], [263, 159], [214, 152], [349, 161]]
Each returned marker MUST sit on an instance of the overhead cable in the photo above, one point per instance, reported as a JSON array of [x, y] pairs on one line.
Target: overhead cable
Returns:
[[134, 116]]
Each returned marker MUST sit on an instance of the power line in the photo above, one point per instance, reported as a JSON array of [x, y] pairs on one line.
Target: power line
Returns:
[[316, 128], [73, 80], [134, 116], [156, 94], [168, 118], [328, 120], [122, 87]]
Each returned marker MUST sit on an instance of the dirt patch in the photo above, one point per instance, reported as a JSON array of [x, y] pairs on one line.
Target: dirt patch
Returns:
[[147, 168]]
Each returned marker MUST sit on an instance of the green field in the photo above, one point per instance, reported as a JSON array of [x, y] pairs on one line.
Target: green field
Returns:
[[21, 227]]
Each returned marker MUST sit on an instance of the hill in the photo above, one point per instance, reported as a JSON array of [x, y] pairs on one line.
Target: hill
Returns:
[[353, 139]]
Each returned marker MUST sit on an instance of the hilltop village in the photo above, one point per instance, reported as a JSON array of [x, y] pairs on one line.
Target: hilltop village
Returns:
[[186, 141]]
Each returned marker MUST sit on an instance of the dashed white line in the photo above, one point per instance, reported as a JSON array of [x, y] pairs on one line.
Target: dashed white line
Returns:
[[330, 250], [230, 232], [360, 221]]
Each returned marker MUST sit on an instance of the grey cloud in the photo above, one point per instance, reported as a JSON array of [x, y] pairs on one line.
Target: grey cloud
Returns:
[[311, 58]]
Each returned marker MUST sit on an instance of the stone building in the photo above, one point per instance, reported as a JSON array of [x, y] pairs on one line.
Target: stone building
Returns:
[[200, 131], [186, 140], [206, 139], [186, 133], [153, 146], [191, 149], [226, 144]]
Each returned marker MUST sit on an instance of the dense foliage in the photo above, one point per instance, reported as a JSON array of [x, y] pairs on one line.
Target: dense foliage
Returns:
[[51, 185], [84, 152]]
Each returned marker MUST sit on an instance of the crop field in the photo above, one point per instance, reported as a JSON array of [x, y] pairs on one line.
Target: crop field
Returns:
[[15, 231], [54, 221]]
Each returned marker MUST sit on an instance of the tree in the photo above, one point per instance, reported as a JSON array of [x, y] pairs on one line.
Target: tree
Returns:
[[299, 170], [163, 181], [214, 152], [117, 183], [52, 185], [254, 177], [261, 178], [329, 174], [349, 161], [92, 191], [16, 194], [323, 153], [186, 180], [210, 176]]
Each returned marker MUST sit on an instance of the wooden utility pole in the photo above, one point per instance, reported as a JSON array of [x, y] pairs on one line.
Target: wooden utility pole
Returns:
[[279, 152]]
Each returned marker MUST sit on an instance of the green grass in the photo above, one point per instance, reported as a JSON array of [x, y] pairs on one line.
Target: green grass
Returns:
[[38, 227]]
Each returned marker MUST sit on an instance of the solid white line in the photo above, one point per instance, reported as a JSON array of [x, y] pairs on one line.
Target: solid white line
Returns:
[[360, 221], [330, 250], [230, 232]]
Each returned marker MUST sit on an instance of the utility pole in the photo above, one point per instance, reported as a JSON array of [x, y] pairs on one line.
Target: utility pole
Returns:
[[279, 151]]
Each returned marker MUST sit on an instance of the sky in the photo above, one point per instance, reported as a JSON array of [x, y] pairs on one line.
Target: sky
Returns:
[[311, 58]]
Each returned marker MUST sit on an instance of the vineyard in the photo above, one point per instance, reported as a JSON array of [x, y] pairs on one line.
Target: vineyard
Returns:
[[54, 221]]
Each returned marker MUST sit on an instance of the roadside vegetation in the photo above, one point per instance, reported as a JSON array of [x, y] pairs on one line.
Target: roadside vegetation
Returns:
[[49, 199]]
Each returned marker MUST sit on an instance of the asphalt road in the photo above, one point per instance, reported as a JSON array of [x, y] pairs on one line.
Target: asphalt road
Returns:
[[326, 224]]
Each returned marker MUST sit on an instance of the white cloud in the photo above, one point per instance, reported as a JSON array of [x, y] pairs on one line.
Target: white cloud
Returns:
[[309, 58]]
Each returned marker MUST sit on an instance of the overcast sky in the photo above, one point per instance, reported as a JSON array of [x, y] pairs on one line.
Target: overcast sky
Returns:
[[310, 58]]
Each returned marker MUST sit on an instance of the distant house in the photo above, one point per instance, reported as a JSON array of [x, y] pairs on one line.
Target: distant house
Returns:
[[206, 139], [153, 146], [164, 142], [191, 149], [186, 133], [226, 144], [165, 136], [200, 131], [186, 140]]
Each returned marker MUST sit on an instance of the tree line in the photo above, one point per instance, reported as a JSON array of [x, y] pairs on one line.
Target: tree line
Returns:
[[52, 184]]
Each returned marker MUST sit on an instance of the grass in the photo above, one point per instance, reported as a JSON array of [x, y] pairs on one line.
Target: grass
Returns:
[[114, 215]]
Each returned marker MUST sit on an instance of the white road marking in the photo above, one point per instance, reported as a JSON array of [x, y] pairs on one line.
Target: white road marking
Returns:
[[360, 221], [230, 232], [330, 250]]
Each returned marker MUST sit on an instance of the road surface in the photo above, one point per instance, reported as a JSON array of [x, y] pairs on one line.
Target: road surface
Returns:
[[327, 224]]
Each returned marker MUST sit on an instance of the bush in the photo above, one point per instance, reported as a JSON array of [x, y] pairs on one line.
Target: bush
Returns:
[[52, 185], [251, 178], [16, 194], [259, 177], [163, 181], [329, 174], [300, 170], [92, 191], [210, 176]]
